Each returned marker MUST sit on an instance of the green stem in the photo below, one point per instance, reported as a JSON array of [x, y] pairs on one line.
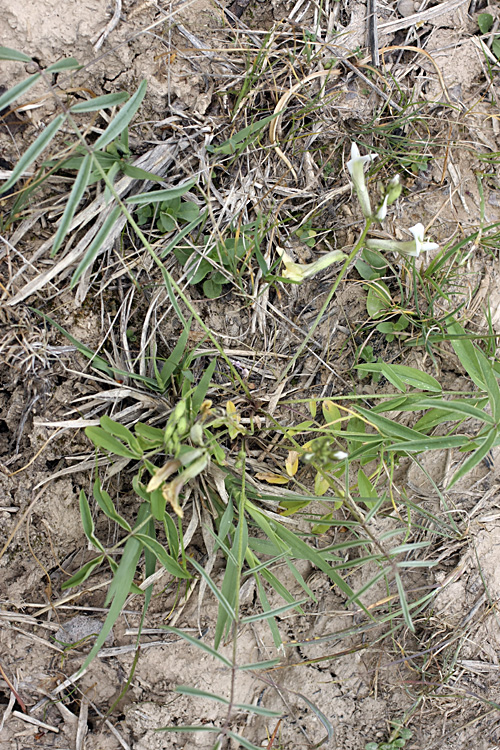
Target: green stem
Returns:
[[359, 244]]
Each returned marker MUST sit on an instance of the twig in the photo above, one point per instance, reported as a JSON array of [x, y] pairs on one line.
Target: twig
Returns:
[[373, 32], [110, 26]]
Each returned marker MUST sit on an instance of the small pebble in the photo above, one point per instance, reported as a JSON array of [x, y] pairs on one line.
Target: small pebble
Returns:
[[79, 628], [406, 7]]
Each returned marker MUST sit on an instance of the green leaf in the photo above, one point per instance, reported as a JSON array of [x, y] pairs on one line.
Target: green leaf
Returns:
[[272, 612], [215, 591], [106, 505], [100, 102], [404, 604], [152, 434], [120, 587], [199, 644], [475, 458], [467, 354], [331, 415], [157, 196], [102, 439], [259, 665], [137, 173], [34, 151], [67, 63], [175, 357], [212, 288], [378, 300], [399, 375], [168, 562], [457, 409], [485, 22], [84, 572], [20, 88], [95, 245], [123, 118], [430, 444], [303, 551], [201, 389], [491, 385], [187, 690], [239, 140], [6, 53], [88, 523], [121, 432], [80, 184]]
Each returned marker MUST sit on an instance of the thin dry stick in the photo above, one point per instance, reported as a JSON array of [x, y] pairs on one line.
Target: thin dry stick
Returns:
[[373, 32]]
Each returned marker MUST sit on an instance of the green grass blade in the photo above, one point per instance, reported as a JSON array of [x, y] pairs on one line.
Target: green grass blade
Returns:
[[430, 444], [201, 389], [6, 53], [158, 196], [122, 433], [34, 151], [106, 505], [119, 588], [408, 375], [176, 355], [20, 88], [321, 716], [83, 573], [123, 118], [102, 439], [95, 245], [273, 612], [199, 644], [491, 385], [168, 562], [467, 354], [77, 191], [98, 362], [404, 604], [100, 102], [67, 63], [187, 690], [190, 728], [268, 664], [88, 523], [457, 409], [215, 591], [475, 458], [243, 742]]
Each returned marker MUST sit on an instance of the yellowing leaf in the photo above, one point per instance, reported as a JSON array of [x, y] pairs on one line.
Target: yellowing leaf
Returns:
[[234, 420], [331, 415], [230, 409], [162, 474], [171, 494], [292, 463], [312, 408], [321, 485], [272, 478]]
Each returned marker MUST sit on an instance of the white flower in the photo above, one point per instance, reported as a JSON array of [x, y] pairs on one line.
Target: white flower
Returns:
[[300, 271], [420, 244], [340, 455], [382, 210], [356, 167], [413, 248]]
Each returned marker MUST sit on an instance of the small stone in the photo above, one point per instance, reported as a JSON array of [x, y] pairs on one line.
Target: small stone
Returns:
[[80, 628], [406, 8]]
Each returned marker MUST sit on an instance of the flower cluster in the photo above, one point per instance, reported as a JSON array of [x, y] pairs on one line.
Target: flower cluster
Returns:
[[356, 167]]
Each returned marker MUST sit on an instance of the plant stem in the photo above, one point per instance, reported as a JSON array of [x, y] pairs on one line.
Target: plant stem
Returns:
[[359, 244]]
